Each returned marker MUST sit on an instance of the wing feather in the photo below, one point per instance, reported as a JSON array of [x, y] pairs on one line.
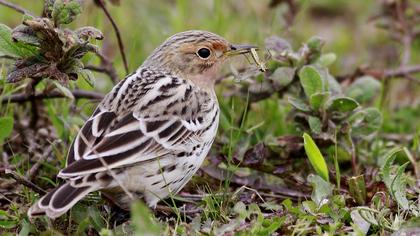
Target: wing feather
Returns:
[[121, 137]]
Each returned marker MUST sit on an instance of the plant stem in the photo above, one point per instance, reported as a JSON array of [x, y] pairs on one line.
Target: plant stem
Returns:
[[16, 8]]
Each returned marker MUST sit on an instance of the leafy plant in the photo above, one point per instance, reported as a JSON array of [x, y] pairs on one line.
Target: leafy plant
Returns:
[[396, 183], [44, 49]]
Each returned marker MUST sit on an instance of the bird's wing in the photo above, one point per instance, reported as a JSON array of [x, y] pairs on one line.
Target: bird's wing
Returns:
[[140, 125]]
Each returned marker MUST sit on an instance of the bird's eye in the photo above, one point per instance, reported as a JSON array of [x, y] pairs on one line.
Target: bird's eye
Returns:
[[203, 53]]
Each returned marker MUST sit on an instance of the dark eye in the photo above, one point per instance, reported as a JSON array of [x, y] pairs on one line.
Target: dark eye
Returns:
[[203, 52]]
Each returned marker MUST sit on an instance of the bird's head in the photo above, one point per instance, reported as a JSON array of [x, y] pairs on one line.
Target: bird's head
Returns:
[[195, 55]]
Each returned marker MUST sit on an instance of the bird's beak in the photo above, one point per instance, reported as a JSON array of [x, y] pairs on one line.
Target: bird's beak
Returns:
[[236, 49]]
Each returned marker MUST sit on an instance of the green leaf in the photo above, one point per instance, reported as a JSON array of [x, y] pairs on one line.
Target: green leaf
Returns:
[[6, 224], [333, 86], [327, 59], [342, 104], [361, 224], [7, 47], [396, 184], [315, 124], [240, 209], [311, 80], [87, 75], [143, 221], [26, 228], [65, 11], [315, 157], [6, 127], [321, 189], [399, 187], [283, 75], [365, 122], [410, 227], [357, 188], [26, 35], [385, 172], [315, 43], [364, 89], [14, 49], [318, 100], [64, 90], [95, 218], [298, 104], [7, 221], [310, 206]]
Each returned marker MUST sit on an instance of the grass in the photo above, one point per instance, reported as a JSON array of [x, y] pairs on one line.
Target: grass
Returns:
[[257, 178]]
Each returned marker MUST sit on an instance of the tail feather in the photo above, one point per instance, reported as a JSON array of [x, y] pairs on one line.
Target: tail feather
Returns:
[[59, 201]]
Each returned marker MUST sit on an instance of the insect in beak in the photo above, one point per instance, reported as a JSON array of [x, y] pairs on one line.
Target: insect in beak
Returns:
[[244, 49]]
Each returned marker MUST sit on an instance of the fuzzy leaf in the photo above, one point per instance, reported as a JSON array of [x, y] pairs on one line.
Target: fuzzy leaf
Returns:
[[65, 11], [342, 104], [327, 59], [360, 222], [48, 7], [65, 91], [6, 44], [277, 44], [364, 89], [315, 157], [315, 124], [399, 187], [311, 80], [396, 184], [298, 104], [386, 167], [240, 209], [283, 75], [10, 48], [357, 188], [366, 121], [315, 43], [318, 100], [321, 189], [89, 32], [332, 84], [25, 34]]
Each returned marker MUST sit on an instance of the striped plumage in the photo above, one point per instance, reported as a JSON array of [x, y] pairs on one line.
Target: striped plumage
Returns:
[[151, 133]]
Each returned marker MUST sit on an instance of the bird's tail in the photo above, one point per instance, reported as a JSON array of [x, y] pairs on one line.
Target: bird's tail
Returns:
[[59, 200]]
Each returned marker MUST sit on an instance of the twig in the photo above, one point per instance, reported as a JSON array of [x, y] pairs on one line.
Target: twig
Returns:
[[23, 97], [8, 57], [16, 8], [30, 90], [101, 4], [169, 210], [402, 71], [31, 172], [5, 158], [107, 69], [23, 180]]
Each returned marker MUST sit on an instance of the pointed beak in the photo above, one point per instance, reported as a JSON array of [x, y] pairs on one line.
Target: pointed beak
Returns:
[[236, 49]]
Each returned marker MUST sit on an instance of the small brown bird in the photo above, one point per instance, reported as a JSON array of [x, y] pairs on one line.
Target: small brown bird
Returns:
[[151, 133]]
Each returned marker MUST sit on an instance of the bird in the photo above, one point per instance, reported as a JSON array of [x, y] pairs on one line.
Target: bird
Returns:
[[151, 133]]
